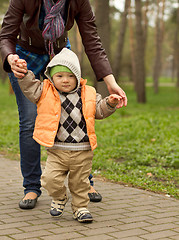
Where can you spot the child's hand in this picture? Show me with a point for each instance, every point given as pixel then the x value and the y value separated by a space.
pixel 114 99
pixel 22 65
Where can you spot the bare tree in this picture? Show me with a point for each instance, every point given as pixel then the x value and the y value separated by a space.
pixel 159 41
pixel 132 46
pixel 177 46
pixel 145 17
pixel 140 55
pixel 78 46
pixel 102 10
pixel 120 45
pixel 174 58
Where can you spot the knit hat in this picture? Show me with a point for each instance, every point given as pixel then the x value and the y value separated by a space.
pixel 66 58
pixel 59 68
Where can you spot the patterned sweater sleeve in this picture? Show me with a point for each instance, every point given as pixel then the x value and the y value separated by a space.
pixel 103 109
pixel 31 87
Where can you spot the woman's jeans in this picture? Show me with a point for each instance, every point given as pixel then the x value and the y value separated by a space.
pixel 29 148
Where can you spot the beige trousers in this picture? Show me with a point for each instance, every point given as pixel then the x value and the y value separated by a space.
pixel 78 165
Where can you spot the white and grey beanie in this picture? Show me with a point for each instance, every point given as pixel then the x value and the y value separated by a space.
pixel 66 58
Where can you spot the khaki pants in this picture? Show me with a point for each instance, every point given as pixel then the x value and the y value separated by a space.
pixel 78 164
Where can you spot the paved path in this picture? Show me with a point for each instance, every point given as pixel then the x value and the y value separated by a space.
pixel 125 213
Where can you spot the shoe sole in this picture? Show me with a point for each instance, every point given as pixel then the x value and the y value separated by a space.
pixel 89 220
pixel 28 205
pixel 57 216
pixel 93 199
pixel 85 221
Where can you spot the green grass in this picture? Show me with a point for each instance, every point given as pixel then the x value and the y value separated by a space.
pixel 138 145
pixel 149 80
pixel 8 123
pixel 162 80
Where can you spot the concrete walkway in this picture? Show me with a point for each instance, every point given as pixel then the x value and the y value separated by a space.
pixel 125 213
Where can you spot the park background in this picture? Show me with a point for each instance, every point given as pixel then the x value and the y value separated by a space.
pixel 139 144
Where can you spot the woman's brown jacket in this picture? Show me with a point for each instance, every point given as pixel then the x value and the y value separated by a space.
pixel 21 25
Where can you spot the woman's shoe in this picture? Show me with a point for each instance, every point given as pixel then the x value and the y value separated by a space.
pixel 95 197
pixel 28 203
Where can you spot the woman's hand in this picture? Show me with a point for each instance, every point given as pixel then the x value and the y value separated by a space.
pixel 113 87
pixel 18 66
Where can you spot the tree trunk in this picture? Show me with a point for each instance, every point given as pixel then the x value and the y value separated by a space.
pixel 103 25
pixel 159 41
pixel 78 46
pixel 132 47
pixel 175 57
pixel 123 25
pixel 140 59
pixel 177 49
pixel 80 50
pixel 177 83
pixel 146 23
pixel 102 10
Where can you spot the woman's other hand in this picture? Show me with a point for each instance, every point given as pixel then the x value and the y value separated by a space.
pixel 113 87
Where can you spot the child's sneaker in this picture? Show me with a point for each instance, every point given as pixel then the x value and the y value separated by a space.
pixel 83 215
pixel 57 207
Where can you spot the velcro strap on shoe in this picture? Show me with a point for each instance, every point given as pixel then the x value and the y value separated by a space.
pixel 81 211
pixel 59 204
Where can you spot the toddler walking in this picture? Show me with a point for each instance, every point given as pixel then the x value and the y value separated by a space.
pixel 65 124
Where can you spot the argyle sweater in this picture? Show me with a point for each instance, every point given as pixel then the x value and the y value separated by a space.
pixel 72 132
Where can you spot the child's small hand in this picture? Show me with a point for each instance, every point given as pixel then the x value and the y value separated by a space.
pixel 22 66
pixel 114 99
pixel 21 63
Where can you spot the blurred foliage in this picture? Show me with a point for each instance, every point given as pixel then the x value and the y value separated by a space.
pixel 115 18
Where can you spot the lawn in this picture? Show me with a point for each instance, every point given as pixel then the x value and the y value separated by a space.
pixel 137 146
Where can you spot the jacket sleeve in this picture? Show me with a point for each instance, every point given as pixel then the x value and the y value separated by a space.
pixel 10 30
pixel 31 87
pixel 103 110
pixel 91 41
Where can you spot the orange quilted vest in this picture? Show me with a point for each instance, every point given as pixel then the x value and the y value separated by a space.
pixel 49 111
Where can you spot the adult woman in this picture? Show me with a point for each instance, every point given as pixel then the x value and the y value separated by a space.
pixel 34 30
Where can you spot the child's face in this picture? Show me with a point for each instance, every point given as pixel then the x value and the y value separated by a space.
pixel 64 81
